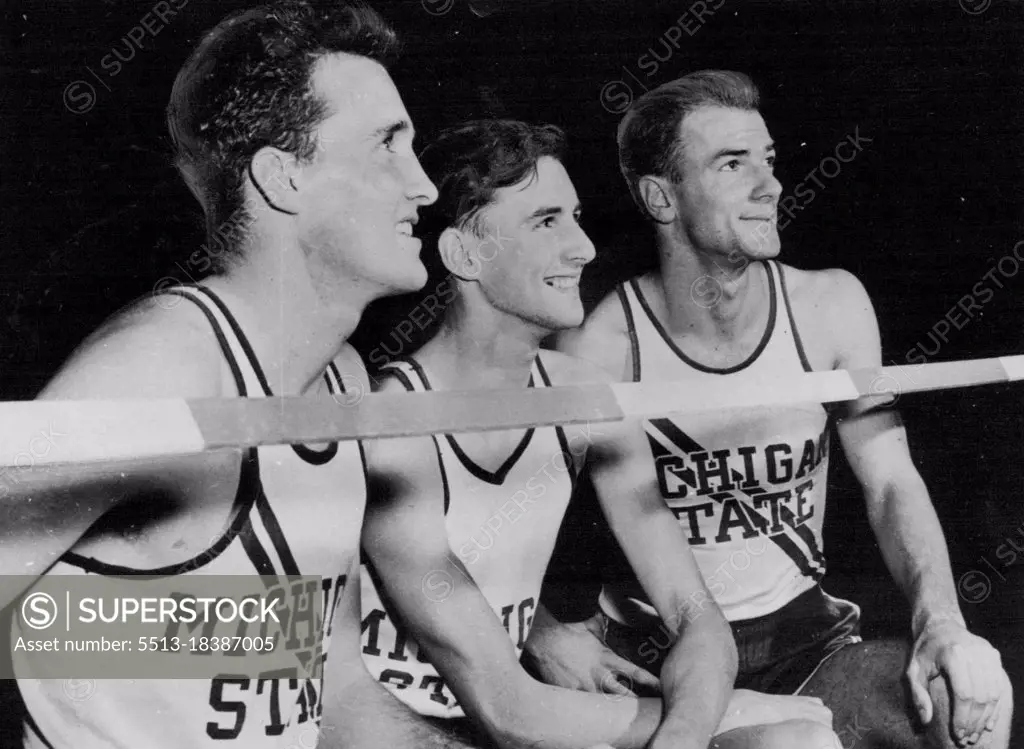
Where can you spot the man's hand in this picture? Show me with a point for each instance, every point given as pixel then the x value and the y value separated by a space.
pixel 573 656
pixel 748 708
pixel 973 670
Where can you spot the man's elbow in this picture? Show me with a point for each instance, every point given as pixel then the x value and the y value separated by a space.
pixel 712 634
pixel 726 646
pixel 731 658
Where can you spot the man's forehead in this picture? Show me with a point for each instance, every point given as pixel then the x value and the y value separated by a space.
pixel 358 91
pixel 714 127
pixel 550 185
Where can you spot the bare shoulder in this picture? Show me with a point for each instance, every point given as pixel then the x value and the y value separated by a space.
pixel 566 369
pixel 602 339
pixel 400 466
pixel 821 291
pixel 151 349
pixel 835 317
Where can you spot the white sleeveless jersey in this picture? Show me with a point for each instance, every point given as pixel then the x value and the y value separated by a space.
pixel 748 487
pixel 299 511
pixel 502 527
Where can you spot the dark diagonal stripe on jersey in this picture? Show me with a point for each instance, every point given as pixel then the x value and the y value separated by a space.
pixel 689 445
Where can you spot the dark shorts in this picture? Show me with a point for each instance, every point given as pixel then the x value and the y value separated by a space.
pixel 778 652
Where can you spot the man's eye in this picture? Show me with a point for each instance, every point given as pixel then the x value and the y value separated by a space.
pixel 389 142
pixel 731 165
pixel 548 222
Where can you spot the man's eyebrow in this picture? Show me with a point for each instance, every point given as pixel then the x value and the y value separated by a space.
pixel 734 152
pixel 544 212
pixel 730 152
pixel 399 126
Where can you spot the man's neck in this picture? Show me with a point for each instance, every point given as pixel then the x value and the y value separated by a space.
pixel 482 349
pixel 293 330
pixel 709 297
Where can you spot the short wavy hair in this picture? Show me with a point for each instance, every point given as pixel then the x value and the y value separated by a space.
pixel 248 85
pixel 470 162
pixel 649 137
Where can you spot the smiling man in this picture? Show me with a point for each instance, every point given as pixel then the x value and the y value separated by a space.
pixel 459 528
pixel 288 128
pixel 750 485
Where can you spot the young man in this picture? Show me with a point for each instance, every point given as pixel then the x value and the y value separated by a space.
pixel 290 133
pixel 750 485
pixel 459 528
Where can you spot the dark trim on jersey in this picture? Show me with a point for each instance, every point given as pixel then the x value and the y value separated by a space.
pixel 765 337
pixel 416 368
pixel 314 457
pixel 254 549
pixel 497 477
pixel 225 347
pixel 570 463
pixel 249 467
pixel 399 375
pixel 31 723
pixel 273 528
pixel 689 445
pixel 392 370
pixel 320 457
pixel 243 341
pixel 366 484
pixel 444 474
pixel 792 321
pixel 634 344
pixel 249 487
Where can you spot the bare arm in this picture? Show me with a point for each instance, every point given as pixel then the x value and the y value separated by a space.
pixel 875 442
pixel 406 539
pixel 44 511
pixel 573 655
pixel 908 531
pixel 698 674
pixel 358 712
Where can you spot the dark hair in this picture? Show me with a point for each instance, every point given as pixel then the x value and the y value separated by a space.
pixel 470 162
pixel 649 135
pixel 248 85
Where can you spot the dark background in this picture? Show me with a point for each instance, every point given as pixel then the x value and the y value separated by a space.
pixel 93 213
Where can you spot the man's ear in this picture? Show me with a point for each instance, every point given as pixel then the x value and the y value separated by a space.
pixel 457 249
pixel 658 198
pixel 274 174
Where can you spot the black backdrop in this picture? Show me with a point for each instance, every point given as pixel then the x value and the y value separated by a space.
pixel 94 214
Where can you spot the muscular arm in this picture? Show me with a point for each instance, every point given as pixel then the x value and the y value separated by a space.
pixel 44 511
pixel 405 536
pixel 573 655
pixel 698 674
pixel 358 712
pixel 910 536
pixel 875 442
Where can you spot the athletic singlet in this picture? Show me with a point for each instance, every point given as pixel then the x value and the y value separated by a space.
pixel 284 492
pixel 502 527
pixel 748 487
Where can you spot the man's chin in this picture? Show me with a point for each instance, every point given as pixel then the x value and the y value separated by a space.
pixel 765 248
pixel 567 322
pixel 414 279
